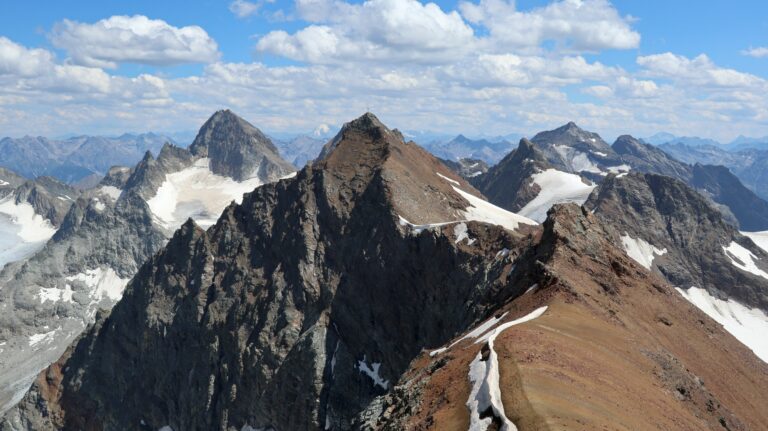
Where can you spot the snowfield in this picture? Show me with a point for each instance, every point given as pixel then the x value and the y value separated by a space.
pixel 745 260
pixel 102 284
pixel 639 250
pixel 556 187
pixel 22 231
pixel 577 160
pixel 748 325
pixel 198 193
pixel 483 211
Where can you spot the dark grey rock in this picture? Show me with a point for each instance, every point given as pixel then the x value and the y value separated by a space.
pixel 238 150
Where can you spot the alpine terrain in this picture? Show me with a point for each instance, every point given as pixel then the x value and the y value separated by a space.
pixel 377 289
pixel 69 255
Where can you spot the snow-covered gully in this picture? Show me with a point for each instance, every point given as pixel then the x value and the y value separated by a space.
pixel 485 396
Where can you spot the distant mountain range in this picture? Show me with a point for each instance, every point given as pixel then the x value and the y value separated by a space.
pixel 74 159
pixel 462 147
pixel 738 144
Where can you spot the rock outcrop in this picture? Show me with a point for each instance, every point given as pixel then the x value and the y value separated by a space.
pixel 687 240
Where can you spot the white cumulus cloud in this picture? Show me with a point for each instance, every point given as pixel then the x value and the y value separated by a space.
pixel 133 39
pixel 396 30
pixel 244 9
pixel 581 25
pixel 759 52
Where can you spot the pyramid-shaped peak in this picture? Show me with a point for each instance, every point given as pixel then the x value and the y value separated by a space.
pixel 570 127
pixel 368 126
pixel 238 149
pixel 570 134
pixel 366 122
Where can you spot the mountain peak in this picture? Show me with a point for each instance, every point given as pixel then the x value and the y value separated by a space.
pixel 570 135
pixel 238 149
pixel 368 125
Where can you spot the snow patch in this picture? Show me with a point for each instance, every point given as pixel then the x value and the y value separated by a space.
pixel 447 179
pixel 434 353
pixel 748 325
pixel 746 260
pixel 46 337
pixel 55 294
pixel 166 428
pixel 759 238
pixel 22 231
pixel 418 228
pixel 619 169
pixel 480 330
pixel 460 230
pixel 373 373
pixel 484 376
pixel 111 191
pixel 102 284
pixel 198 193
pixel 556 187
pixel 579 161
pixel 482 211
pixel 98 205
pixel 639 250
pixel 598 152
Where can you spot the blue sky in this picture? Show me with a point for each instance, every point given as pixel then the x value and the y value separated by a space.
pixel 483 67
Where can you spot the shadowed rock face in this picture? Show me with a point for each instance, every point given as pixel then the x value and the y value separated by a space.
pixel 466 167
pixel 238 150
pixel 49 197
pixel 723 187
pixel 667 214
pixel 290 297
pixel 649 159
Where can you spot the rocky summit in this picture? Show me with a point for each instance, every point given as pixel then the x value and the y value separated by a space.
pixel 237 149
pixel 376 289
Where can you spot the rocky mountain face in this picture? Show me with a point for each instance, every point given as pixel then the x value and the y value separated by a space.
pixel 649 159
pixel 238 150
pixel 377 290
pixel 572 150
pixel 74 159
pixel 467 168
pixel 314 305
pixel 30 213
pixel 102 239
pixel 718 183
pixel 671 228
pixel 286 301
pixel 509 184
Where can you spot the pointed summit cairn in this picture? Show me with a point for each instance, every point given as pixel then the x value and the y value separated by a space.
pixel 238 150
